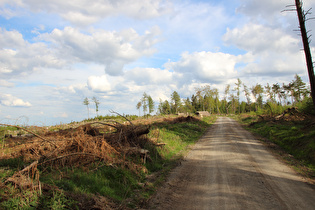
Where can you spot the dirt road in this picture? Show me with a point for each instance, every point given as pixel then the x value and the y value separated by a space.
pixel 229 169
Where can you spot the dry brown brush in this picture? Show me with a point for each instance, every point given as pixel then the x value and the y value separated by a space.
pixel 79 147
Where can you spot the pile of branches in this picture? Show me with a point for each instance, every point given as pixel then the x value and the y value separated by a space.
pixel 107 142
pixel 82 146
pixel 289 114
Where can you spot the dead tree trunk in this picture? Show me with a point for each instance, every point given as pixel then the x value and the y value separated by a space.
pixel 308 55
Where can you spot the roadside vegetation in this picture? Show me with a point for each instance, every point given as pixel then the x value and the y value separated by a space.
pixel 109 163
pixel 291 134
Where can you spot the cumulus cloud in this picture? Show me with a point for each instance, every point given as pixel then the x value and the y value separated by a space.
pixel 205 66
pixel 9 100
pixel 259 38
pixel 62 48
pixel 149 76
pixel 272 50
pixel 269 7
pixel 18 56
pixel 110 48
pixel 5 83
pixel 99 83
pixel 84 12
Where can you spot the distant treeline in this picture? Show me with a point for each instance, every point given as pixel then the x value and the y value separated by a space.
pixel 272 98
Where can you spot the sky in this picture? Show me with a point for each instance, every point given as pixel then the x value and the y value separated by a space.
pixel 54 53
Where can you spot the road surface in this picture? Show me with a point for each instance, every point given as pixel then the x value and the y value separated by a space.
pixel 229 169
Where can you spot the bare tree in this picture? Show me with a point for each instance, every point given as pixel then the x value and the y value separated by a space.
pixel 96 101
pixel 247 95
pixel 305 39
pixel 226 93
pixel 238 89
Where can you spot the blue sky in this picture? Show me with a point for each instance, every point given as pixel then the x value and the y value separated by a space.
pixel 55 53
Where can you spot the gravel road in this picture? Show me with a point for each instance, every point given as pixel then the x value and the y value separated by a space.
pixel 229 169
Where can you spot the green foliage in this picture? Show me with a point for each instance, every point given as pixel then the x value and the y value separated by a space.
pixel 13 163
pixel 175 103
pixel 116 183
pixel 164 107
pixel 269 99
pixel 25 200
pixel 29 199
pixel 306 106
pixel 86 103
pixel 58 200
pixel 111 117
pixel 177 138
pixel 150 104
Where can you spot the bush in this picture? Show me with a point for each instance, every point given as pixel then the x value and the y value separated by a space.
pixel 307 106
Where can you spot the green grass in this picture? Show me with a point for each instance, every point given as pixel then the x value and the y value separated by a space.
pixel 295 137
pixel 118 183
pixel 30 199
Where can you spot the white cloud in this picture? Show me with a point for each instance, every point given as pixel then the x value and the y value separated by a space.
pixel 84 12
pixel 267 10
pixel 5 83
pixel 259 38
pixel 18 56
pixel 99 84
pixel 9 100
pixel 271 50
pixel 11 39
pixel 205 66
pixel 112 49
pixel 149 76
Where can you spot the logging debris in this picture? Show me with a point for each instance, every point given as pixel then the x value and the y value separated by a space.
pixel 107 142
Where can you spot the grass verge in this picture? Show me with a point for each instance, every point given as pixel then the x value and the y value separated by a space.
pixel 297 138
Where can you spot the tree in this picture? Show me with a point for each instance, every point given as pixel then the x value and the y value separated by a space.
pixel 86 103
pixel 164 107
pixel 269 92
pixel 209 102
pixel 216 100
pixel 290 90
pixel 277 91
pixel 238 89
pixel 144 103
pixel 188 105
pixel 226 93
pixel 233 102
pixel 257 91
pixel 199 100
pixel 247 95
pixel 301 15
pixel 176 102
pixel 150 104
pixel 139 104
pixel 95 100
pixel 194 103
pixel 299 88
